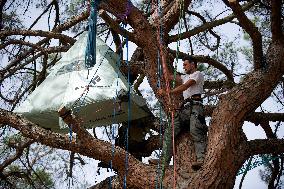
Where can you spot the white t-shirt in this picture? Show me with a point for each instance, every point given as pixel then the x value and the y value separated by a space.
pixel 197 88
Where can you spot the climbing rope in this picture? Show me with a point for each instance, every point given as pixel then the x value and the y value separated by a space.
pixel 123 18
pixel 245 171
pixel 181 7
pixel 181 14
pixel 165 73
pixel 148 7
pixel 166 76
pixel 264 160
pixel 158 177
pixel 159 68
pixel 90 56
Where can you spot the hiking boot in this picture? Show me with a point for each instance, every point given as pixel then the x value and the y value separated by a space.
pixel 154 161
pixel 196 165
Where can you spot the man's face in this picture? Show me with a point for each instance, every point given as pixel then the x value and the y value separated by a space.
pixel 187 66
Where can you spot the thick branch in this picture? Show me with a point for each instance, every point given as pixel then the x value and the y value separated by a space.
pixel 264 146
pixel 39 33
pixel 19 152
pixel 255 117
pixel 207 26
pixel 210 61
pixel 21 42
pixel 276 23
pixel 92 148
pixel 219 84
pixel 21 66
pixel 218 38
pixel 258 117
pixel 253 32
pixel 73 21
pixel 128 13
pixel 114 25
pixel 254 89
pixel 2 3
pixel 171 17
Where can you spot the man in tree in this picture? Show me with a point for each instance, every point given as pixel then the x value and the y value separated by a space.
pixel 190 115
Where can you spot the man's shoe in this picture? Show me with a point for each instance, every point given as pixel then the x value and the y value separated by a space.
pixel 197 165
pixel 154 161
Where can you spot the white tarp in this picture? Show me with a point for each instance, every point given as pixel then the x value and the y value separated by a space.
pixel 91 94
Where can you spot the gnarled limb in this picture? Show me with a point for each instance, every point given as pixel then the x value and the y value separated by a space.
pixel 40 33
pixel 253 32
pixel 19 153
pixel 263 146
pixel 255 117
pixel 207 26
pixel 171 17
pixel 68 24
pixel 5 73
pixel 219 84
pixel 87 146
pixel 218 38
pixel 276 22
pixel 114 25
pixel 210 61
pixel 2 4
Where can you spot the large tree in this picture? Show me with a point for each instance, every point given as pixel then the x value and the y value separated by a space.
pixel 152 27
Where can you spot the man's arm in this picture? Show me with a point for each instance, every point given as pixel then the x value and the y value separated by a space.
pixel 183 87
pixel 178 89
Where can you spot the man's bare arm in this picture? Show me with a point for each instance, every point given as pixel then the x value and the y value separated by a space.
pixel 178 89
pixel 183 87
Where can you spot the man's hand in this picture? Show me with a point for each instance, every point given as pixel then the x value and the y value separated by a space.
pixel 171 107
pixel 161 92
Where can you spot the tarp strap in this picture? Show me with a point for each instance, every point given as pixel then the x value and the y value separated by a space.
pixel 90 59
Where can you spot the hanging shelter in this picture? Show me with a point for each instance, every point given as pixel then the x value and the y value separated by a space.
pixel 98 95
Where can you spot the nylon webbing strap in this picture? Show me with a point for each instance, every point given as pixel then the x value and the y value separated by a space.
pixel 90 59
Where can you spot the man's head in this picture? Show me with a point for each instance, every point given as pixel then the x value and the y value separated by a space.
pixel 189 65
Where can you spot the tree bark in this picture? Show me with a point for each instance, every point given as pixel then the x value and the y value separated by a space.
pixel 227 148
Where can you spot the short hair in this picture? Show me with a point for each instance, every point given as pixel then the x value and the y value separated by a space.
pixel 190 59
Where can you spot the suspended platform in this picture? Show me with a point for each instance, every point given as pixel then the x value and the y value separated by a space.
pixel 98 95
